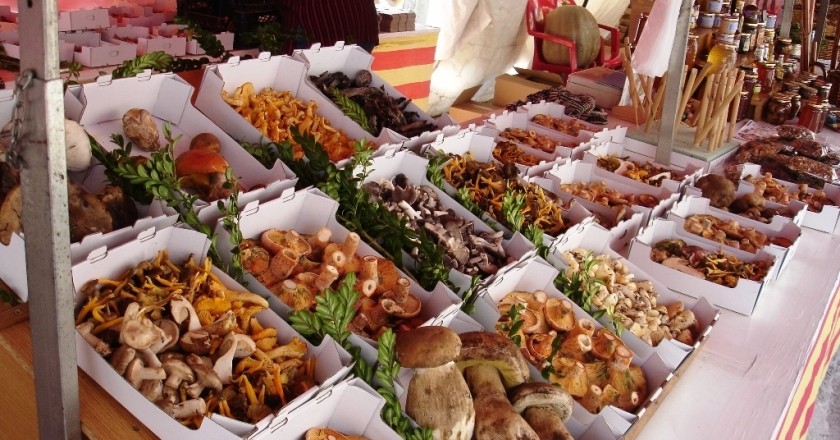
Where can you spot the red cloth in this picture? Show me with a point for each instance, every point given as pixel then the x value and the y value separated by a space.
pixel 328 21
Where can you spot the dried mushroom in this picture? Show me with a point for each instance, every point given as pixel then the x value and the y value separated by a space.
pixel 646 172
pixel 571 128
pixel 730 233
pixel 531 139
pixel 774 191
pixel 600 193
pixel 189 344
pixel 510 153
pixel 632 302
pixel 575 358
pixel 466 250
pixel 716 266
pixel 298 267
pixel 487 184
pixel 382 110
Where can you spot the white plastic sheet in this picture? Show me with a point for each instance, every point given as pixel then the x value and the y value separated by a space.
pixel 657 40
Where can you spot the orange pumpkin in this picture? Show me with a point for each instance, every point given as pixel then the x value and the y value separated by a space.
pixel 575 23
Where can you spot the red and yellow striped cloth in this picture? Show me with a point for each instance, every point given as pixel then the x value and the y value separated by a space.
pixel 405 60
pixel 795 421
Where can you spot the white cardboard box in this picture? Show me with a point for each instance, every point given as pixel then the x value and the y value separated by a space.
pixel 536 274
pixel 181 244
pixel 350 59
pixel 691 168
pixel 589 173
pixel 171 30
pixel 99 108
pixel 414 168
pixel 558 111
pixel 92 51
pixel 784 227
pixel 351 407
pixel 594 238
pixel 15 274
pixel 567 146
pixel 824 221
pixel 306 211
pixel 11 44
pixel 279 73
pixel 740 299
pixel 146 42
pixel 83 19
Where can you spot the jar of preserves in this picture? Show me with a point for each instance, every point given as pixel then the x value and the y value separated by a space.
pixel 824 92
pixel 706 20
pixel 795 50
pixel 744 106
pixel 766 75
pixel 778 109
pixel 769 37
pixel 729 24
pixel 771 22
pixel 744 42
pixel 750 81
pixel 691 51
pixel 723 55
pixel 789 70
pixel 813 116
pixel 760 54
pixel 759 35
pixel 782 47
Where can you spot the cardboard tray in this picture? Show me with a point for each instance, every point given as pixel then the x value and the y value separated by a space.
pixel 823 221
pixel 536 274
pixel 594 238
pixel 181 244
pixel 740 299
pixel 99 107
pixel 481 148
pixel 306 211
pixel 691 168
pixel 83 19
pixel 11 44
pixel 691 205
pixel 279 73
pixel 351 407
pixel 589 172
pixel 567 146
pixel 350 59
pixel 391 163
pixel 92 51
pixel 193 48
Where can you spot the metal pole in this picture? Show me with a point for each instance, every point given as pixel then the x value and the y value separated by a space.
pixel 673 89
pixel 44 183
pixel 787 19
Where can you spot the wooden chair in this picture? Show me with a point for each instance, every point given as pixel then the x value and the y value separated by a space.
pixel 535 20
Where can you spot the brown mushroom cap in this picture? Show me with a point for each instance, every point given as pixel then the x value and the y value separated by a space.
pixel 206 141
pixel 479 348
pixel 199 162
pixel 427 347
pixel 542 394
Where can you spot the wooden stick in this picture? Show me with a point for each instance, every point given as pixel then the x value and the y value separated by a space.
pixel 703 74
pixel 631 77
pixel 727 78
pixel 733 117
pixel 660 92
pixel 647 84
pixel 726 100
pixel 689 85
pixel 701 117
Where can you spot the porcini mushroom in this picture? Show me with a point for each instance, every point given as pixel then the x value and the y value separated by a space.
pixel 450 414
pixel 77 143
pixel 140 128
pixel 545 407
pixel 491 363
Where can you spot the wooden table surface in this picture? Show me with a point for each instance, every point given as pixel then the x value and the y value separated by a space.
pixel 102 416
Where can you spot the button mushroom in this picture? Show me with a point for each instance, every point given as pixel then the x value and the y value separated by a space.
pixel 491 363
pixel 234 345
pixel 438 397
pixel 205 376
pixel 99 345
pixel 545 407
pixel 136 373
pixel 138 331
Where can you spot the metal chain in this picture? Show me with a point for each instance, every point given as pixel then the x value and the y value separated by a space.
pixel 11 134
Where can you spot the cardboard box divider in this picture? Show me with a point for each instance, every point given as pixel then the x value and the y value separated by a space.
pixel 306 211
pixel 351 407
pixel 594 238
pixel 350 59
pixel 146 41
pixel 11 45
pixel 783 227
pixel 181 244
pixel 558 111
pixel 536 274
pixel 82 19
pixel 740 299
pixel 823 221
pixel 590 173
pixel 99 107
pixel 193 48
pixel 414 167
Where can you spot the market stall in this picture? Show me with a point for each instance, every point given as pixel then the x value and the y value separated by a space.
pixel 265 250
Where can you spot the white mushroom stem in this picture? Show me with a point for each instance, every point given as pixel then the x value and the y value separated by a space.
pixel 122 357
pixel 177 371
pixel 185 409
pixel 181 309
pixel 234 345
pixel 450 414
pixel 206 377
pixel 136 373
pixel 77 142
pixel 495 417
pixel 149 358
pixel 99 345
pixel 409 211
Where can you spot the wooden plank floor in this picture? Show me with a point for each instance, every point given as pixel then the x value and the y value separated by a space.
pixel 102 417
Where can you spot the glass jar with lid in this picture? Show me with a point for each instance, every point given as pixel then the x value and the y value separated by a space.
pixel 766 75
pixel 723 55
pixel 782 47
pixel 813 116
pixel 777 110
pixel 795 105
pixel 743 106
pixel 691 49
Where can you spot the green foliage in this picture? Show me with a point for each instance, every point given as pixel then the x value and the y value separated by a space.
pixel 271 37
pixel 434 171
pixel 266 153
pixel 230 221
pixel 514 323
pixel 206 40
pixel 535 234
pixel 73 70
pixel 470 295
pixel 351 108
pixel 158 61
pixel 465 197
pixel 512 204
pixel 154 178
pixel 387 369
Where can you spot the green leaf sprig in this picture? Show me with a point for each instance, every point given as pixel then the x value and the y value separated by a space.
pixel 466 198
pixel 434 172
pixel 6 296
pixel 514 323
pixel 470 295
pixel 535 234
pixel 351 108
pixel 512 204
pixel 581 287
pixel 387 369
pixel 158 61
pixel 205 39
pixel 231 215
